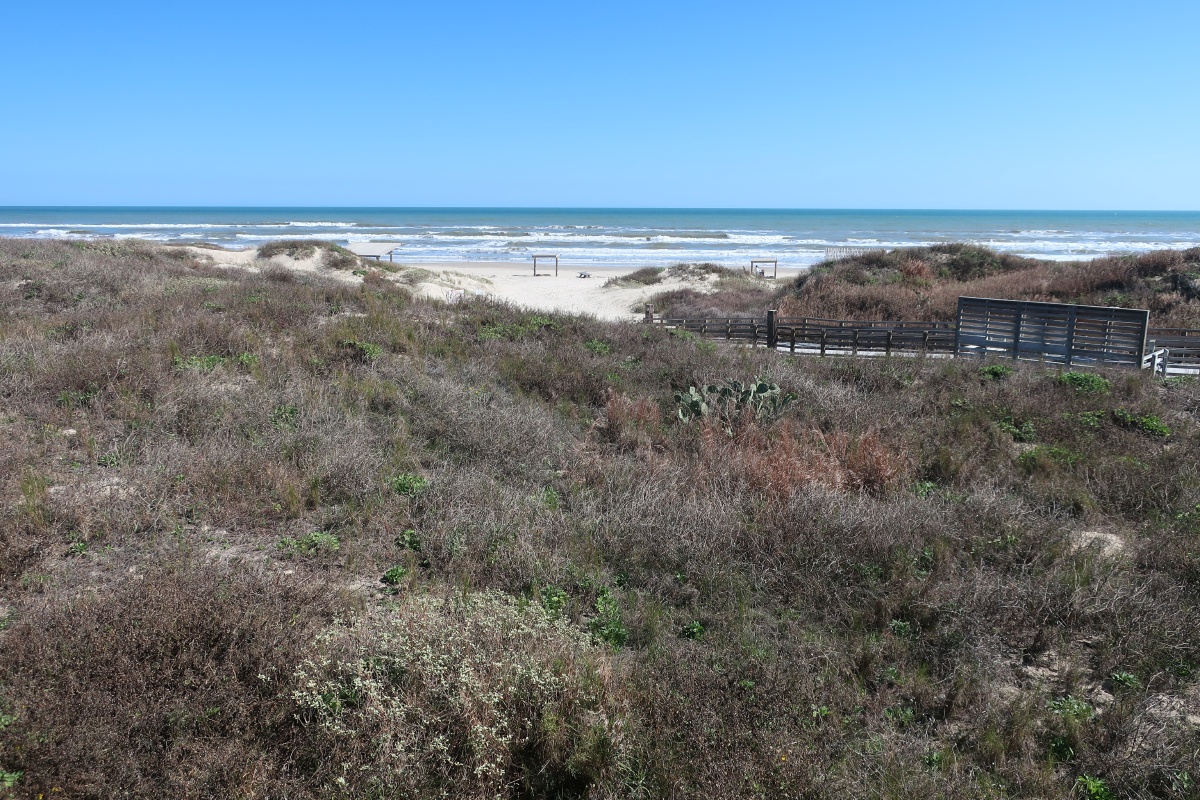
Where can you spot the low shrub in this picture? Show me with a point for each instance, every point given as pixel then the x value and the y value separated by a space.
pixel 472 696
pixel 312 542
pixel 1086 382
pixel 607 624
pixel 408 484
pixel 1144 423
pixel 996 372
pixel 394 576
pixel 363 352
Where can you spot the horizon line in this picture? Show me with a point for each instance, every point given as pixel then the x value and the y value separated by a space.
pixel 606 208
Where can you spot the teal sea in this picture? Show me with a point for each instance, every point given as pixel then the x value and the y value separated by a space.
pixel 623 237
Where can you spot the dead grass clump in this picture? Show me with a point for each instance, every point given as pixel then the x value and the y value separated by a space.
pixel 631 423
pixel 779 461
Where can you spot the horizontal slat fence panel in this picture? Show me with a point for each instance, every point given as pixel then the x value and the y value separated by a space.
pixel 1053 332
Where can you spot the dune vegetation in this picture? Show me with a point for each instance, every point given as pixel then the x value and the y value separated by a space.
pixel 267 535
pixel 924 283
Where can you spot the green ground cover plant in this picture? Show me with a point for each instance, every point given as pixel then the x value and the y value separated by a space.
pixel 490 559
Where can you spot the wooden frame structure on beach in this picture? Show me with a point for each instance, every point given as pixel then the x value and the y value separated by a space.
pixel 754 262
pixel 545 255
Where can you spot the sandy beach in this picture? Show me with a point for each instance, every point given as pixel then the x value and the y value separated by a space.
pixel 510 281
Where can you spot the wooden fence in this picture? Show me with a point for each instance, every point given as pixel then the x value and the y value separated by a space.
pixel 1053 332
pixel 1182 346
pixel 1178 348
pixel 823 336
pixel 835 253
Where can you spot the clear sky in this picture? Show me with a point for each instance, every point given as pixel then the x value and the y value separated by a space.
pixel 850 104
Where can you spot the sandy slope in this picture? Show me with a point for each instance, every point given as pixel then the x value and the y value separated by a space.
pixel 513 282
pixel 248 259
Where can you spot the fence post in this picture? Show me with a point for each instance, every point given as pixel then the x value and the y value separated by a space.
pixel 824 334
pixel 888 349
pixel 772 333
pixel 649 313
pixel 854 345
pixel 1070 335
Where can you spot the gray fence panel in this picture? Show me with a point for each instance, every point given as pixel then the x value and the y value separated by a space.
pixel 1054 332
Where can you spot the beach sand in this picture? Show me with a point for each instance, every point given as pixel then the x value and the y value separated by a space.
pixel 512 282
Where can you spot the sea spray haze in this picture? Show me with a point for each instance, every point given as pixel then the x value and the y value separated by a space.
pixel 268 535
pixel 625 237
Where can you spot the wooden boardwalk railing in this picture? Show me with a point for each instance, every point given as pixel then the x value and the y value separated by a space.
pixel 1182 346
pixel 821 336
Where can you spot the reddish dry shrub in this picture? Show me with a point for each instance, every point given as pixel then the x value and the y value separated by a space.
pixel 632 423
pixel 916 270
pixel 777 462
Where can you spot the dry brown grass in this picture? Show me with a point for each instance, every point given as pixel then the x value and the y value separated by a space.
pixel 925 283
pixel 879 592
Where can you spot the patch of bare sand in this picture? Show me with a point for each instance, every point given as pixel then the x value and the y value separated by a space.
pixel 507 281
pixel 566 292
pixel 1107 544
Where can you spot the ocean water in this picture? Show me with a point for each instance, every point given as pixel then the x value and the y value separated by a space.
pixel 623 237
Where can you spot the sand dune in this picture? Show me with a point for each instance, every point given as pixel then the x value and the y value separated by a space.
pixel 513 282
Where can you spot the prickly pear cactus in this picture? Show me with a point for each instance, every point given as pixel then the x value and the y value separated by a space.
pixel 691 404
pixel 731 400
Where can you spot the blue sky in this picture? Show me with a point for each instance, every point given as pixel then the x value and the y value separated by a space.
pixel 1049 105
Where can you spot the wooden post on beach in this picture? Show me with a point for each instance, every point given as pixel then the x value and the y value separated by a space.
pixel 649 313
pixel 548 255
pixel 772 333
